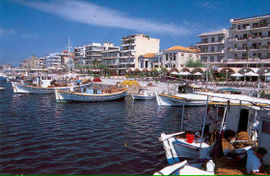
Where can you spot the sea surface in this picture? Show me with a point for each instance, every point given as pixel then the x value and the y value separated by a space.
pixel 40 136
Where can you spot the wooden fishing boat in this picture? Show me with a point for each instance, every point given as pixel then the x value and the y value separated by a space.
pixel 27 88
pixel 239 115
pixel 90 95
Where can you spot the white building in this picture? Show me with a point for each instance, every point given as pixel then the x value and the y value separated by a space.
pixel 53 60
pixel 177 56
pixel 150 60
pixel 213 46
pixel 110 56
pixel 91 54
pixel 249 42
pixel 134 46
pixel 79 55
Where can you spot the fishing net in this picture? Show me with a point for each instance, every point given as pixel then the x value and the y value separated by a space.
pixel 243 135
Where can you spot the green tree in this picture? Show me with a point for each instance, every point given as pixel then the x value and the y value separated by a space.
pixel 191 62
pixel 103 67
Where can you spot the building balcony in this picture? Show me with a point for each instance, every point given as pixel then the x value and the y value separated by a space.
pixel 126 57
pixel 237 40
pixel 237 49
pixel 93 55
pixel 212 52
pixel 210 43
pixel 267 26
pixel 127 50
pixel 266 37
pixel 254 60
pixel 106 58
pixel 127 44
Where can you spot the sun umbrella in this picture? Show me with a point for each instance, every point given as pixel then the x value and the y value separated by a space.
pixel 251 74
pixel 198 74
pixel 174 73
pixel 236 75
pixel 185 73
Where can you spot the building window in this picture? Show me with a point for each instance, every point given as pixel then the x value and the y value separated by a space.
pixel 167 57
pixel 174 56
pixel 212 59
pixel 213 39
pixel 212 49
pixel 220 38
pixel 204 59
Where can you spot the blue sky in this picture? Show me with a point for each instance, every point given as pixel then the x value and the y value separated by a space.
pixel 29 27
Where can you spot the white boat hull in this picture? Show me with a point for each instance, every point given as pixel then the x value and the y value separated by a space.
pixel 64 96
pixel 21 88
pixel 167 100
pixel 182 168
pixel 179 149
pixel 142 97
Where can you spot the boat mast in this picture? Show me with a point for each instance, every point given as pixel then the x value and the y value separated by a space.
pixel 69 59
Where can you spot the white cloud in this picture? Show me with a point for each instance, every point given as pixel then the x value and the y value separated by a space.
pixel 89 13
pixel 206 4
pixel 6 31
pixel 30 36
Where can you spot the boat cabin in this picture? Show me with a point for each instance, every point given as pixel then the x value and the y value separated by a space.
pixel 264 134
pixel 185 88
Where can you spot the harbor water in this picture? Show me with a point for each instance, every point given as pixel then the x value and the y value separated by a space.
pixel 40 136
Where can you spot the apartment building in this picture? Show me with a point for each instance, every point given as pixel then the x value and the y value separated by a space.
pixel 249 42
pixel 150 60
pixel 110 56
pixel 177 56
pixel 79 55
pixel 133 47
pixel 53 60
pixel 213 46
pixel 93 52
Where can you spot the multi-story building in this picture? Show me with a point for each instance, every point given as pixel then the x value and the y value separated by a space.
pixel 110 56
pixel 32 62
pixel 93 52
pixel 53 60
pixel 150 60
pixel 134 46
pixel 79 55
pixel 213 46
pixel 249 42
pixel 177 56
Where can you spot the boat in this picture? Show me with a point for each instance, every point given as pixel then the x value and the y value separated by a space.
pixel 264 133
pixel 43 86
pixel 143 95
pixel 185 96
pixel 183 168
pixel 2 88
pixel 89 95
pixel 239 115
pixel 212 167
